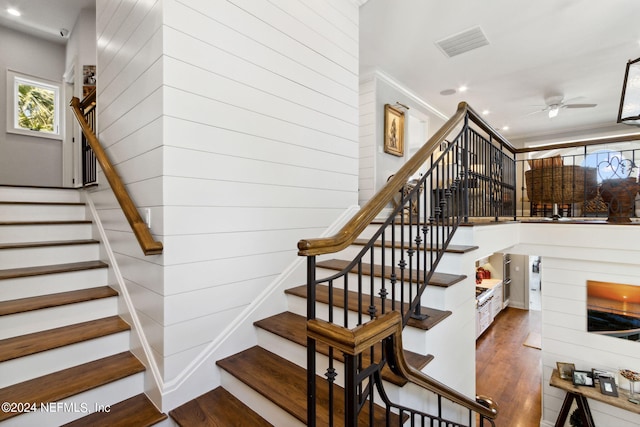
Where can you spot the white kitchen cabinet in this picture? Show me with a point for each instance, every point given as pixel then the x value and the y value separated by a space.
pixel 497 302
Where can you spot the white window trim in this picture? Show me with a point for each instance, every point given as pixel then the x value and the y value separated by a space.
pixel 13 79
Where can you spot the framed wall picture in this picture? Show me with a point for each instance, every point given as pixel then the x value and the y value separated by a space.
pixel 393 131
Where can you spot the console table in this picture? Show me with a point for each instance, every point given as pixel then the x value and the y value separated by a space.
pixel 580 395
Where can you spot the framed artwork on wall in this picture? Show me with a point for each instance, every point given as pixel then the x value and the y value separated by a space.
pixel 393 131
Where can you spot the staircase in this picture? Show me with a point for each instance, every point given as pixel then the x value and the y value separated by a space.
pixel 266 384
pixel 64 351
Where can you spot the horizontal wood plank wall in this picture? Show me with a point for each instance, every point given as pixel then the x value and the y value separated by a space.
pixel 367 166
pixel 236 124
pixel 260 104
pixel 571 255
pixel 130 127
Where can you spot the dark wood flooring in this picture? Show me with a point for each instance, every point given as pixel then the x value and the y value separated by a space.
pixel 510 372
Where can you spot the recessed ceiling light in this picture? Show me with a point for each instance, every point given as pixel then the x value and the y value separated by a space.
pixel 485 112
pixel 463 88
pixel 505 128
pixel 14 12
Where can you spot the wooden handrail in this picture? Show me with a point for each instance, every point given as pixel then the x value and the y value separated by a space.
pixel 88 103
pixel 355 341
pixel 350 231
pixel 583 143
pixel 140 230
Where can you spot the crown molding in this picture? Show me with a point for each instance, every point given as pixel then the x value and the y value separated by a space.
pixel 378 74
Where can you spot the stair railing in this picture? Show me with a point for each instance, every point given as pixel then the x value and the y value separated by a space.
pixel 146 241
pixel 465 170
pixel 89 166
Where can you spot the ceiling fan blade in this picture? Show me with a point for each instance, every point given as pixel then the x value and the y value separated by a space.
pixel 579 105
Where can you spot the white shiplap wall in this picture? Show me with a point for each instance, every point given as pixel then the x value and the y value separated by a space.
pixel 129 89
pixel 236 123
pixel 571 255
pixel 261 115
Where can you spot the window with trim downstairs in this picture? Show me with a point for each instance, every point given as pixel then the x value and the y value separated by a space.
pixel 34 106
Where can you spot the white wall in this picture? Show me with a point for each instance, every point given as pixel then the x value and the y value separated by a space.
pixel 376 90
pixel 130 127
pixel 571 255
pixel 27 160
pixel 236 124
pixel 260 150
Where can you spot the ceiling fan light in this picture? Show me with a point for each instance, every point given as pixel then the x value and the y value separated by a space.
pixel 553 111
pixel 629 112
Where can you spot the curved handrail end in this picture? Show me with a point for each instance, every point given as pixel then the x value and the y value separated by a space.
pixel 489 403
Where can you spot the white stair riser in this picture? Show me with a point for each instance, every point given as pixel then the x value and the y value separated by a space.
pixel 450 263
pixel 298 354
pixel 49 318
pixel 19 212
pixel 26 194
pixel 48 255
pixel 434 296
pixel 25 287
pixel 298 306
pixel 73 407
pixel 462 236
pixel 263 406
pixel 36 365
pixel 39 233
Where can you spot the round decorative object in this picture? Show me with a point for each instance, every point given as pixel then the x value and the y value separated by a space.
pixel 619 194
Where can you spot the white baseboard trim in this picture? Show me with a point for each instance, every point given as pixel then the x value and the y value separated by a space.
pixel 136 327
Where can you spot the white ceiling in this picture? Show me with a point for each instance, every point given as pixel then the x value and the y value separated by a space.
pixel 576 48
pixel 43 18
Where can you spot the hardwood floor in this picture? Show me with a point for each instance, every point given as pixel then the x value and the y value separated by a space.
pixel 510 372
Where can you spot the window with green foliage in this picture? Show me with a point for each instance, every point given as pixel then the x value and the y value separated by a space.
pixel 34 106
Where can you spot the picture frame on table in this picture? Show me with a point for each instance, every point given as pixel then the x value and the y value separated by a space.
pixel 565 370
pixel 583 378
pixel 597 373
pixel 608 386
pixel 393 131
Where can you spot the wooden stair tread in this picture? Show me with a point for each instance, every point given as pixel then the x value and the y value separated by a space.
pixel 21 202
pixel 217 408
pixel 61 222
pixel 26 245
pixel 54 300
pixel 456 249
pixel 13 273
pixel 443 280
pixel 294 328
pixel 434 316
pixel 285 384
pixel 136 411
pixel 68 382
pixel 24 345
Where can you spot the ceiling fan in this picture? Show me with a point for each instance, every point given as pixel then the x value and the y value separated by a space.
pixel 555 103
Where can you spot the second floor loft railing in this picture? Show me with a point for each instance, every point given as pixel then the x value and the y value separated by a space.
pixel 146 241
pixel 89 167
pixel 595 180
pixel 465 170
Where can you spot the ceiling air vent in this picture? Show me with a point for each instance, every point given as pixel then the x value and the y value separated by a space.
pixel 465 41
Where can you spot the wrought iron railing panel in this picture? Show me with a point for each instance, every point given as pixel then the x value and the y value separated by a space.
pixel 471 175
